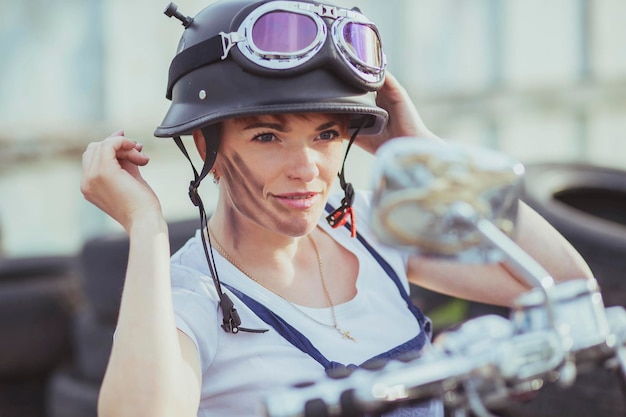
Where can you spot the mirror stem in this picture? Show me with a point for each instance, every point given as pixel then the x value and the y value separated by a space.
pixel 522 263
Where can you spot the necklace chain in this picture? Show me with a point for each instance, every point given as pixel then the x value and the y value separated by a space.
pixel 344 333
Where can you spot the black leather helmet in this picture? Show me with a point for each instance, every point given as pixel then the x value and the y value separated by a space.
pixel 219 72
pixel 206 89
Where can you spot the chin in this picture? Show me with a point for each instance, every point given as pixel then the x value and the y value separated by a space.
pixel 300 227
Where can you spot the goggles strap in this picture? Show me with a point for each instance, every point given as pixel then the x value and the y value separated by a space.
pixel 217 48
pixel 345 212
pixel 196 56
pixel 231 322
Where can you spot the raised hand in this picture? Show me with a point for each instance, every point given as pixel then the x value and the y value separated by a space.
pixel 404 119
pixel 111 180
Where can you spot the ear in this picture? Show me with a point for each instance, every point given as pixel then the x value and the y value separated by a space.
pixel 198 138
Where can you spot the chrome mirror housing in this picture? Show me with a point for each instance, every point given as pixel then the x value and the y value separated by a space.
pixel 428 194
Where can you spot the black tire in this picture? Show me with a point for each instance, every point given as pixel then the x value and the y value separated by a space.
pixel 20 268
pixel 103 266
pixel 587 204
pixel 181 231
pixel 36 311
pixel 69 396
pixel 103 263
pixel 23 397
pixel 92 341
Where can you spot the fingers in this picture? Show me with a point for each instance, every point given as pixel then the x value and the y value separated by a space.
pixel 109 158
pixel 404 118
pixel 111 179
pixel 127 149
pixel 118 147
pixel 392 92
pixel 391 81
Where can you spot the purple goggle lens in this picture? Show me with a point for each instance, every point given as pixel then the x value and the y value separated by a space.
pixel 363 43
pixel 284 32
pixel 282 35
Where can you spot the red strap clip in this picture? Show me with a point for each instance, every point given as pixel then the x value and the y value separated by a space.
pixel 341 216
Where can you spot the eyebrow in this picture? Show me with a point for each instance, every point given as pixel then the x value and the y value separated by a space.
pixel 281 128
pixel 275 126
pixel 327 125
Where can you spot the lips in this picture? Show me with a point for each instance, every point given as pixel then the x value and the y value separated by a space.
pixel 297 196
pixel 304 200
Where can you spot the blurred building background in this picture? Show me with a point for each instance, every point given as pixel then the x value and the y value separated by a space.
pixel 542 81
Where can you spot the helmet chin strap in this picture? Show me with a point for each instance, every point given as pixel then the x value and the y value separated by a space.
pixel 345 212
pixel 231 322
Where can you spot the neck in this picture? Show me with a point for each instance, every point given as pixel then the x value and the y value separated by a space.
pixel 253 242
pixel 283 264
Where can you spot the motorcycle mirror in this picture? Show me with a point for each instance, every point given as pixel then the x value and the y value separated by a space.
pixel 429 195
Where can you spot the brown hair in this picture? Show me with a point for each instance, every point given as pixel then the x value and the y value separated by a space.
pixel 342 118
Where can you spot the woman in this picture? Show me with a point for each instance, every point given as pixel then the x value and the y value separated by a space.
pixel 272 292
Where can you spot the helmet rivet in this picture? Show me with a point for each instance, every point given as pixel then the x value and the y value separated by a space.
pixel 202 94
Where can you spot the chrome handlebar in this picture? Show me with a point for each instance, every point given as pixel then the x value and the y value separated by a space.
pixel 480 366
pixel 460 202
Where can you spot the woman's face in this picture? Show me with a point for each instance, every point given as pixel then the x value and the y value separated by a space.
pixel 277 171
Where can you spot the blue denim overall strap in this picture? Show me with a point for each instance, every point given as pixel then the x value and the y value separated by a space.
pixel 283 328
pixel 296 338
pixel 424 322
pixel 300 341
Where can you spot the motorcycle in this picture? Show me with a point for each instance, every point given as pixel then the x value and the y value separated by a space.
pixel 460 202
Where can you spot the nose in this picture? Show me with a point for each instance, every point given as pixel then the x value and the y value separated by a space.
pixel 302 163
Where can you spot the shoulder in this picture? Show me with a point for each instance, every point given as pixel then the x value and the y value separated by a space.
pixel 195 299
pixel 189 272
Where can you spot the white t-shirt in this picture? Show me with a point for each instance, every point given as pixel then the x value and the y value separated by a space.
pixel 239 369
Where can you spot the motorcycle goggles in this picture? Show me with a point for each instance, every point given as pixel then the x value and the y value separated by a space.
pixel 289 37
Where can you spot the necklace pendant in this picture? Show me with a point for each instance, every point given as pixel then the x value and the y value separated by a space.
pixel 346 335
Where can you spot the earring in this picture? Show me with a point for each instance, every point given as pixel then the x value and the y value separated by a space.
pixel 216 178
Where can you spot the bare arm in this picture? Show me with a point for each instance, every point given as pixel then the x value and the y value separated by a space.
pixel 153 369
pixel 494 284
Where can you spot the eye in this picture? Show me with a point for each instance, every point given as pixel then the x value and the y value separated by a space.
pixel 329 135
pixel 264 137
